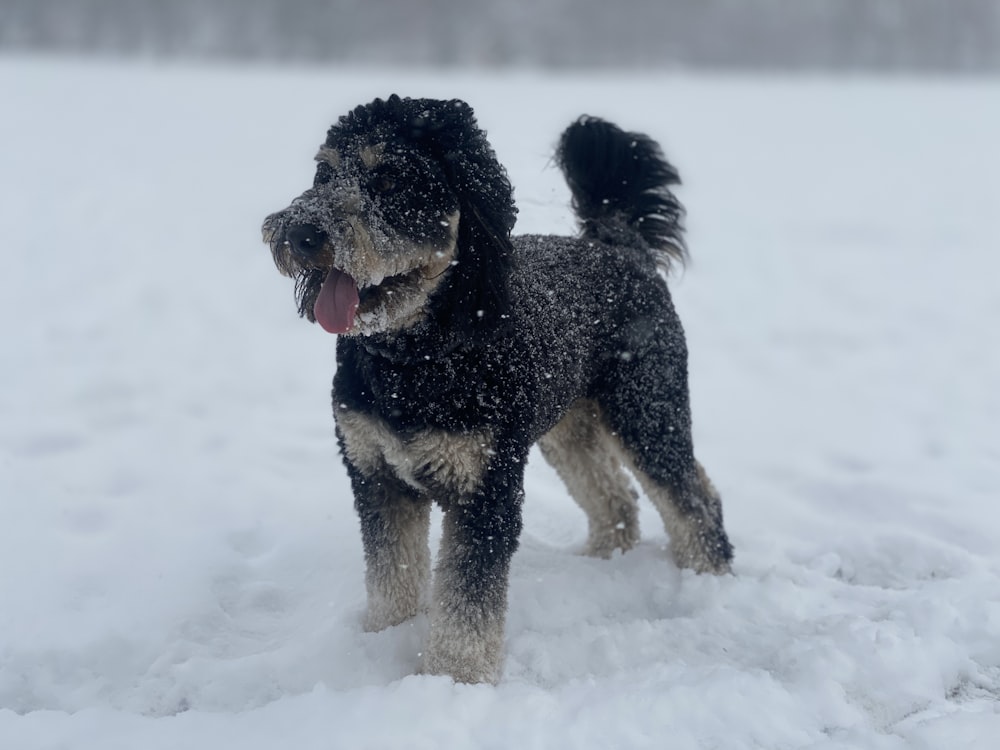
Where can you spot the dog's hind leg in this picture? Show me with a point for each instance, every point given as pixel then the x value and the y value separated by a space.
pixel 585 455
pixel 648 408
pixel 692 515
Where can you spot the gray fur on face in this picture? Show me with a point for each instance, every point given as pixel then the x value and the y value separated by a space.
pixel 395 264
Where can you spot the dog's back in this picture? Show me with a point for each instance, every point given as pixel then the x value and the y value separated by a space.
pixel 599 300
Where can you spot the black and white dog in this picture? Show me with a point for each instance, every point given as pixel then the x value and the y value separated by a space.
pixel 460 347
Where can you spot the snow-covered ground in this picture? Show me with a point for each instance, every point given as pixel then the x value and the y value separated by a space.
pixel 180 565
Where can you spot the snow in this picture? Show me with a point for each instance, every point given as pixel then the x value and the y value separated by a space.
pixel 181 563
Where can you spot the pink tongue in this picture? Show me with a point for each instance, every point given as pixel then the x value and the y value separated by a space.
pixel 337 302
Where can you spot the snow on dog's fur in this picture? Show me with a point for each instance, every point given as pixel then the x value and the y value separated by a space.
pixel 460 347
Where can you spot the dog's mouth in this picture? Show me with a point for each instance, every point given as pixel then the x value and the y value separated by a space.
pixel 342 304
pixel 337 302
pixel 349 287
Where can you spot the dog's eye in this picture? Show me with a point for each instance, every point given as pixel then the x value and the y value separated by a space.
pixel 383 183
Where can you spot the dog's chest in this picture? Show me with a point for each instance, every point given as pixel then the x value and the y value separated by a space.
pixel 463 393
pixel 427 460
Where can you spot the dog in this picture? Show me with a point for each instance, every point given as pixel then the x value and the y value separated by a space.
pixel 460 347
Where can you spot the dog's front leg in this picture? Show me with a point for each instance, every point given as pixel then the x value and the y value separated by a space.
pixel 395 520
pixel 469 604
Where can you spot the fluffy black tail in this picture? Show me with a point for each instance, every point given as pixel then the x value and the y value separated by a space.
pixel 621 187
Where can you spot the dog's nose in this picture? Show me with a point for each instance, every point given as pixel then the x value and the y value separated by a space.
pixel 305 239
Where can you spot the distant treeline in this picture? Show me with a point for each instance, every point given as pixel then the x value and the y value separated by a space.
pixel 905 35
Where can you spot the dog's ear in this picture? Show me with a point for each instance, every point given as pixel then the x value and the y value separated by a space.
pixel 477 297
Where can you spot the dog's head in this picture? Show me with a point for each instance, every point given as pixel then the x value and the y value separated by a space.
pixel 408 220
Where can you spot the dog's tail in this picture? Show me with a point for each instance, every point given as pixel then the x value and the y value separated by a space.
pixel 621 188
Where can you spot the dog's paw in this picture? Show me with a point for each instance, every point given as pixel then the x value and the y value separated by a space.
pixel 472 653
pixel 462 666
pixel 703 552
pixel 382 614
pixel 603 542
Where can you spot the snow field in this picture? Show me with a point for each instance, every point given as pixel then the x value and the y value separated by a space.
pixel 181 563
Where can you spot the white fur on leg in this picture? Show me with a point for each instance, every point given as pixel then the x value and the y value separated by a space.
pixel 585 455
pixel 398 573
pixel 399 568
pixel 464 651
pixel 688 537
pixel 465 641
pixel 467 627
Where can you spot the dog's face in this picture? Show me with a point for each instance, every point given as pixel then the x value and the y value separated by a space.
pixel 371 239
pixel 378 232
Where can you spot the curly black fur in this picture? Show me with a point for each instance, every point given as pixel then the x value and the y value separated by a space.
pixel 573 343
pixel 621 180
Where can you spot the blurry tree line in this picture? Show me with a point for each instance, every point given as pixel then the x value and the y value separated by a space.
pixel 933 35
